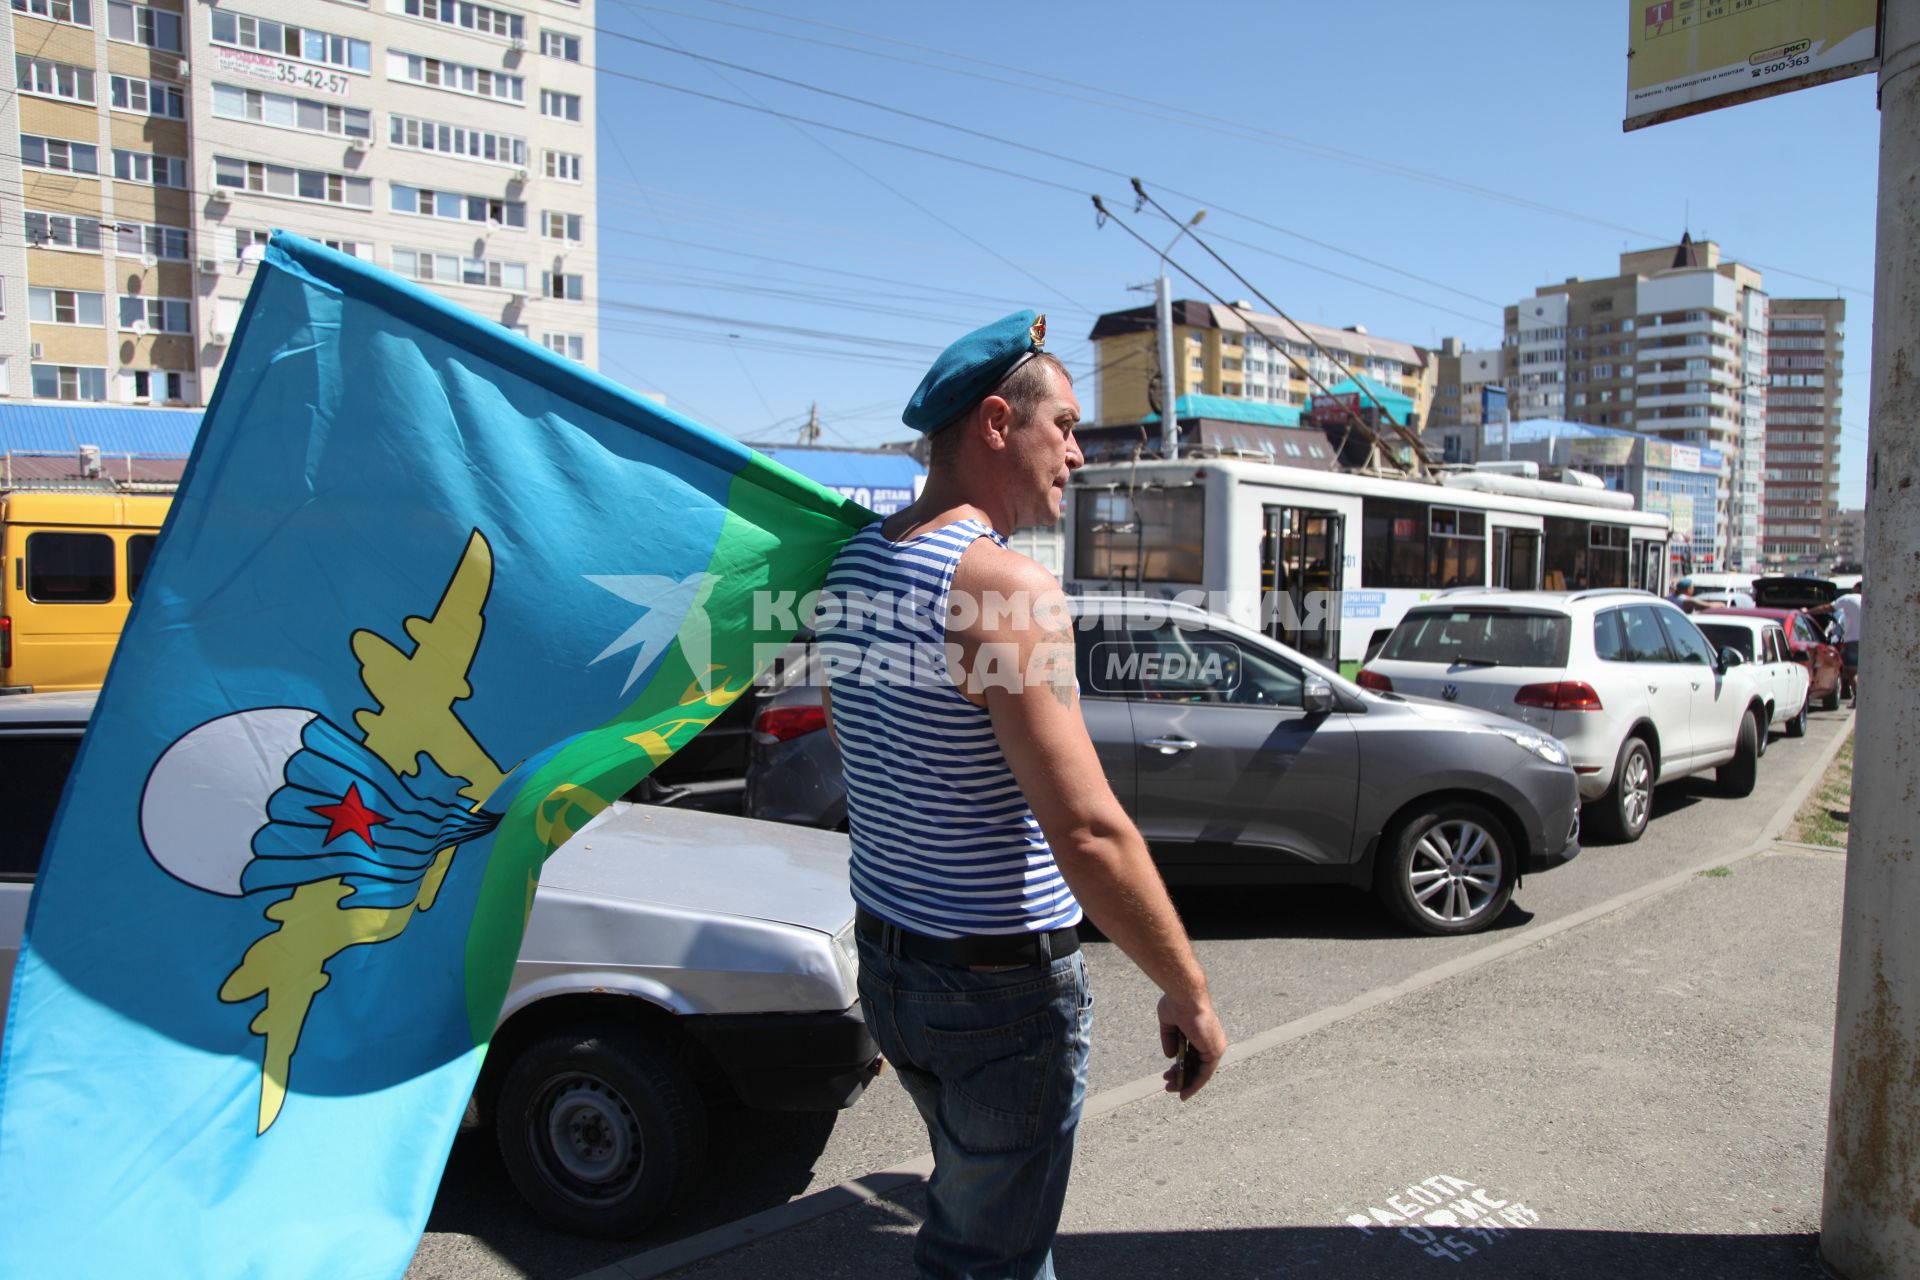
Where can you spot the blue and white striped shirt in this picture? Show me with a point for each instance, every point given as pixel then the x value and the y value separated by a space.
pixel 944 842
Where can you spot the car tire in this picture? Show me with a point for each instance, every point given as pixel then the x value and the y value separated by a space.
pixel 1738 775
pixel 1622 814
pixel 1797 727
pixel 1832 701
pixel 1447 869
pixel 600 1129
pixel 1765 739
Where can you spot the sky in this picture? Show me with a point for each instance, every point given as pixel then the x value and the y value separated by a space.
pixel 802 204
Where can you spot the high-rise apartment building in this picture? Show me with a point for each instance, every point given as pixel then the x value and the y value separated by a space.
pixel 1675 346
pixel 1801 498
pixel 159 144
pixel 1460 378
pixel 1217 353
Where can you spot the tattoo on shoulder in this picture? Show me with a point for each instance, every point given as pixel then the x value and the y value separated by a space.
pixel 1050 666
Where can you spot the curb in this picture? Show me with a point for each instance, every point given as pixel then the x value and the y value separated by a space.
pixel 685 1252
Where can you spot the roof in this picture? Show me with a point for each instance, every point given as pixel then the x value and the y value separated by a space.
pixel 46 427
pixel 1207 315
pixel 63 471
pixel 1536 430
pixel 1232 409
pixel 1400 406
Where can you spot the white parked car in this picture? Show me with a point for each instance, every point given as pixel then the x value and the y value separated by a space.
pixel 1623 678
pixel 674 959
pixel 1784 683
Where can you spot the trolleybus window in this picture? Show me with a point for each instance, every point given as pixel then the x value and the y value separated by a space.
pixel 1147 535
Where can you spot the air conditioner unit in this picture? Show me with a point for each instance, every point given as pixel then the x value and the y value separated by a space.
pixel 358 146
pixel 35 351
pixel 139 326
pixel 516 300
pixel 518 44
pixel 185 69
pixel 521 175
pixel 222 196
pixel 217 334
pixel 209 266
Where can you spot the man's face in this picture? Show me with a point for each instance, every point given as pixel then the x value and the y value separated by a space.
pixel 1043 452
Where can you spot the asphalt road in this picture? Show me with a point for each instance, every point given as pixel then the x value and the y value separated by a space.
pixel 1272 955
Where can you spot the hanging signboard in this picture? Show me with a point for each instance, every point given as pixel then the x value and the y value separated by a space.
pixel 1689 56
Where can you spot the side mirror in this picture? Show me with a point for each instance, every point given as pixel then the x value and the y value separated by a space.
pixel 1316 696
pixel 1730 658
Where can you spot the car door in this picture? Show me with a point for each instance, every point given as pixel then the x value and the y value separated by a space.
pixel 1717 703
pixel 1669 695
pixel 1106 683
pixel 1793 681
pixel 1823 660
pixel 1233 775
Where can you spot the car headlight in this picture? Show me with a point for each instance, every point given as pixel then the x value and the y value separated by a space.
pixel 1548 749
pixel 848 952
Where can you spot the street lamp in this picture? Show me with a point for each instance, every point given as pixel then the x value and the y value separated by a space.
pixel 1163 322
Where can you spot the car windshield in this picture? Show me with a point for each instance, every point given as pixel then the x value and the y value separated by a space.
pixel 1481 637
pixel 1726 636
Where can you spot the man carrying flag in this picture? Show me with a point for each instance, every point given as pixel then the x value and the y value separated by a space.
pixel 428 599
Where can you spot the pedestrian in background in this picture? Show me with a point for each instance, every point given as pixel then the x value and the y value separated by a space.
pixel 980 817
pixel 1850 608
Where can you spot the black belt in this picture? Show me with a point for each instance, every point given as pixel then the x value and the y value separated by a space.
pixel 968 952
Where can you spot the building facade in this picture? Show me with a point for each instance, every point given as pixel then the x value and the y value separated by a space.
pixel 1460 376
pixel 159 144
pixel 1674 346
pixel 1801 496
pixel 1217 353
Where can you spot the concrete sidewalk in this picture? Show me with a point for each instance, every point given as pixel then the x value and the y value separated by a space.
pixel 1641 1095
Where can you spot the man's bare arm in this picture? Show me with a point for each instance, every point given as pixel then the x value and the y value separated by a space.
pixel 1019 659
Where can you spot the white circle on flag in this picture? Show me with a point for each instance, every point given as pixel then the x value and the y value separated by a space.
pixel 207 796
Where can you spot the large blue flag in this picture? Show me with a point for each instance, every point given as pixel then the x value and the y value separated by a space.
pixel 428 599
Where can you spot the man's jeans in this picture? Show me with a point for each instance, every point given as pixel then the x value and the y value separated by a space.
pixel 997 1064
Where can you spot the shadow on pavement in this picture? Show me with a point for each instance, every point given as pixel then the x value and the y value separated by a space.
pixel 1222 913
pixel 755 1160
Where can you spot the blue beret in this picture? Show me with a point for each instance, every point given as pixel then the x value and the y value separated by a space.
pixel 969 370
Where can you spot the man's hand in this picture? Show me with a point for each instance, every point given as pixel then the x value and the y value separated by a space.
pixel 1203 1031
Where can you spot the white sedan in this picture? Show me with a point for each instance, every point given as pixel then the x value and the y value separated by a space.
pixel 1783 683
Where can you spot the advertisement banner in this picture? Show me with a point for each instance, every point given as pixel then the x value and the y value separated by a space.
pixel 1689 56
pixel 1614 451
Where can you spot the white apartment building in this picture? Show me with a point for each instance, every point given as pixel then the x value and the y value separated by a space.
pixel 161 143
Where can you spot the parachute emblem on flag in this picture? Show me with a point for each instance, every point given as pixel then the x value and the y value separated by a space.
pixel 281 798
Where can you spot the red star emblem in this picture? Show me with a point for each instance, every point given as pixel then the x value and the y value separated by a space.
pixel 351 814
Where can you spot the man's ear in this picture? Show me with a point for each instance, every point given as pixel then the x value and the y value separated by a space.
pixel 997 415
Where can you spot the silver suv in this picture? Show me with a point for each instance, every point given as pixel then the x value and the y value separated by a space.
pixel 1244 762
pixel 674 960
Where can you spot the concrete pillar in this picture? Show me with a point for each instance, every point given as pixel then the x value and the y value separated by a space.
pixel 1870 1217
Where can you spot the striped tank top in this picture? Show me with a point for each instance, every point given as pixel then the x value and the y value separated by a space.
pixel 944 842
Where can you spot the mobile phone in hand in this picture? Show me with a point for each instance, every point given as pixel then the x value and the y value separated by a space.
pixel 1186 1061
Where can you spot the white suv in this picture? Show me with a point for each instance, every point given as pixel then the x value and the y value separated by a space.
pixel 1622 677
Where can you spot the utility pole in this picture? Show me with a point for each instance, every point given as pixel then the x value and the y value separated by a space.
pixel 1169 388
pixel 1869 1228
pixel 810 433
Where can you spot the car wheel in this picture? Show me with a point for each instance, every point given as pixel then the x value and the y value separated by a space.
pixel 1832 701
pixel 1623 812
pixel 1447 870
pixel 1765 740
pixel 1737 776
pixel 1797 727
pixel 600 1129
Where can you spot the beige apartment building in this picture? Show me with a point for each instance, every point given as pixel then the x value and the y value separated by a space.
pixel 1675 345
pixel 159 144
pixel 1217 353
pixel 1801 502
pixel 1460 378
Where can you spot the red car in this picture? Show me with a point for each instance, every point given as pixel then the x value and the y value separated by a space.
pixel 1807 639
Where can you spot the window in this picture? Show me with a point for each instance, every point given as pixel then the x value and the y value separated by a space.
pixel 1685 639
pixel 1393 542
pixel 1632 634
pixel 449 268
pixel 139 551
pixel 149 97
pixel 1152 535
pixel 63 231
pixel 159 315
pixel 35 766
pixel 317 185
pixel 283 41
pixel 51 79
pixel 571 345
pixel 554 284
pixel 1174 662
pixel 65 306
pixel 562 226
pixel 289 112
pixel 151 170
pixel 138 24
pixel 70 568
pixel 77 12
pixel 557 44
pixel 352 248
pixel 1456 547
pixel 455 77
pixel 1484 637
pixel 146 240
pixel 66 382
pixel 250 242
pixel 59 154
pixel 452 204
pixel 144 386
pixel 564 165
pixel 415 134
pixel 561 106
pixel 464 13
